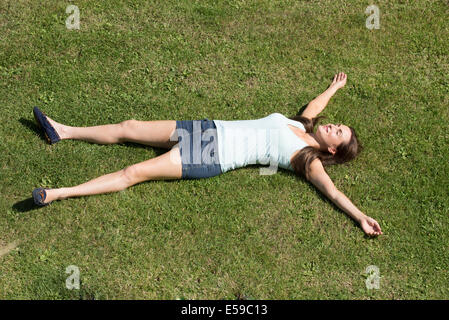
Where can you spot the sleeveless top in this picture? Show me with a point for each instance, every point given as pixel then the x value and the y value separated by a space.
pixel 266 141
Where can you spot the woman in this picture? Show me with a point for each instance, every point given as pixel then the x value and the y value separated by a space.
pixel 206 148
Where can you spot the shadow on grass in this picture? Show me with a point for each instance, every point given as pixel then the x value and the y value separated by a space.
pixel 32 126
pixel 302 109
pixel 25 205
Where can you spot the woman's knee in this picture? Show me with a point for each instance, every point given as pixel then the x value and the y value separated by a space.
pixel 131 175
pixel 127 127
pixel 139 172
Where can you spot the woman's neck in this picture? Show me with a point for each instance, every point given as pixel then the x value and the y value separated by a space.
pixel 309 138
pixel 313 141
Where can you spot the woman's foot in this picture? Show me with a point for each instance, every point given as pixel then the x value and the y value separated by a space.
pixel 60 129
pixel 53 131
pixel 40 197
pixel 43 197
pixel 52 195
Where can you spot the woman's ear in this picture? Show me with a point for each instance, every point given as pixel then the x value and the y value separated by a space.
pixel 331 150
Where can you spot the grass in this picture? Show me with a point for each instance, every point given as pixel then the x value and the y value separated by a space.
pixel 239 234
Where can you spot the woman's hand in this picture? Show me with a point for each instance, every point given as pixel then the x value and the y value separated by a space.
pixel 370 226
pixel 339 80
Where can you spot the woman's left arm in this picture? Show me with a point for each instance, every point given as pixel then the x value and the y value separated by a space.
pixel 319 178
pixel 368 224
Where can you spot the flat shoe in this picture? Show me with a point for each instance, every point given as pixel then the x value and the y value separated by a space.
pixel 50 133
pixel 39 196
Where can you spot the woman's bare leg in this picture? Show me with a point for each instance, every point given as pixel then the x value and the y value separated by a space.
pixel 154 133
pixel 164 167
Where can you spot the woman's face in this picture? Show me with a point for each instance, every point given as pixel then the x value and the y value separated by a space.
pixel 332 135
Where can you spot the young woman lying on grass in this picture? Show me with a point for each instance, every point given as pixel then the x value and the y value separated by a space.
pixel 205 148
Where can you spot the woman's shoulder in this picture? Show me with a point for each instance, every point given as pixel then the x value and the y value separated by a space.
pixel 276 115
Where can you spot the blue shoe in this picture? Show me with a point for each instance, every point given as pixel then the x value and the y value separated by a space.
pixel 39 196
pixel 50 133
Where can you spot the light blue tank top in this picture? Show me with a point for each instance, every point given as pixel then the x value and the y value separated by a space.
pixel 266 141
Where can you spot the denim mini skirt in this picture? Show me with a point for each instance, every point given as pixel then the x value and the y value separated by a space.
pixel 198 146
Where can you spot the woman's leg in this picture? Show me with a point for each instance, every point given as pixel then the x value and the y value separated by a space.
pixel 167 166
pixel 154 133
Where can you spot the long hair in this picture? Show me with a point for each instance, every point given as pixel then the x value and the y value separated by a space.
pixel 345 151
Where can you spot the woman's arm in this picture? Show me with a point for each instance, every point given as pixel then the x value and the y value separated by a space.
pixel 320 179
pixel 347 206
pixel 318 104
pixel 368 224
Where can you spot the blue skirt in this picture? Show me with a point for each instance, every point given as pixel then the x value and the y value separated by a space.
pixel 198 146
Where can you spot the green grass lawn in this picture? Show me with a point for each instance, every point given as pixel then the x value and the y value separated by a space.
pixel 239 235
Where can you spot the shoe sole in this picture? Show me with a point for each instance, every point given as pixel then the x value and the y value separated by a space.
pixel 35 194
pixel 39 125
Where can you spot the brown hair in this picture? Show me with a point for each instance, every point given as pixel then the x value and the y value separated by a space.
pixel 345 151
